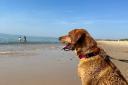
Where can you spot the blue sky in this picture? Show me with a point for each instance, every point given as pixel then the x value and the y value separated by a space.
pixel 102 18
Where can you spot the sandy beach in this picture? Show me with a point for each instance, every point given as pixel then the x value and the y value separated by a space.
pixel 46 64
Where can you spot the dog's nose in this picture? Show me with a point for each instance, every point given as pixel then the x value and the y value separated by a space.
pixel 60 38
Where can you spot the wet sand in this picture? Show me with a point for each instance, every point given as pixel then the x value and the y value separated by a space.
pixel 41 64
pixel 46 64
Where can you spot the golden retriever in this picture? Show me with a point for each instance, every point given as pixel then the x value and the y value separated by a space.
pixel 95 67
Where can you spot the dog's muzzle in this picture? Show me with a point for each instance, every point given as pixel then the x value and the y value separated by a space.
pixel 68 47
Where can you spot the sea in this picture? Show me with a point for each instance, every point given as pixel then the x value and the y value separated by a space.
pixel 11 45
pixel 14 39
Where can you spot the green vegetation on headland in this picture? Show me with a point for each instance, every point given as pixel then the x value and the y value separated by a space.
pixel 123 39
pixel 112 39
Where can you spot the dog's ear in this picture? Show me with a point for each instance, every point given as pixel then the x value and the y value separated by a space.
pixel 89 41
pixel 83 37
pixel 77 36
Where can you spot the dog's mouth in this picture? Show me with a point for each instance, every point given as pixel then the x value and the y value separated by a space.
pixel 68 47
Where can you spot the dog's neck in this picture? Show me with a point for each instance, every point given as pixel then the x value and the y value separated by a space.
pixel 88 53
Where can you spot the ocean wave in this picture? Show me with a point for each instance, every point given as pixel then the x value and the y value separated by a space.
pixel 7 52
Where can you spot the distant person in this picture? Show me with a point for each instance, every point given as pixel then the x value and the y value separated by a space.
pixel 25 39
pixel 19 39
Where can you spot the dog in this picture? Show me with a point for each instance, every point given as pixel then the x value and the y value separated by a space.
pixel 95 67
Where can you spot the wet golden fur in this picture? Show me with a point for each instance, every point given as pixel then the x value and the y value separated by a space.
pixel 96 70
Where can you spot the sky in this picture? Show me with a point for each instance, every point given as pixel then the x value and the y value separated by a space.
pixel 106 19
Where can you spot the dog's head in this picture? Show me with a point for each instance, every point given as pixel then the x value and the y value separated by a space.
pixel 77 38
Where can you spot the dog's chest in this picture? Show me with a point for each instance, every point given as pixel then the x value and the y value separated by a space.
pixel 89 67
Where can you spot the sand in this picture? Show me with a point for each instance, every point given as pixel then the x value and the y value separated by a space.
pixel 46 64
pixel 118 50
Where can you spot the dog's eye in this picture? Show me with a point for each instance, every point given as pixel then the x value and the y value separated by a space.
pixel 70 34
pixel 65 42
